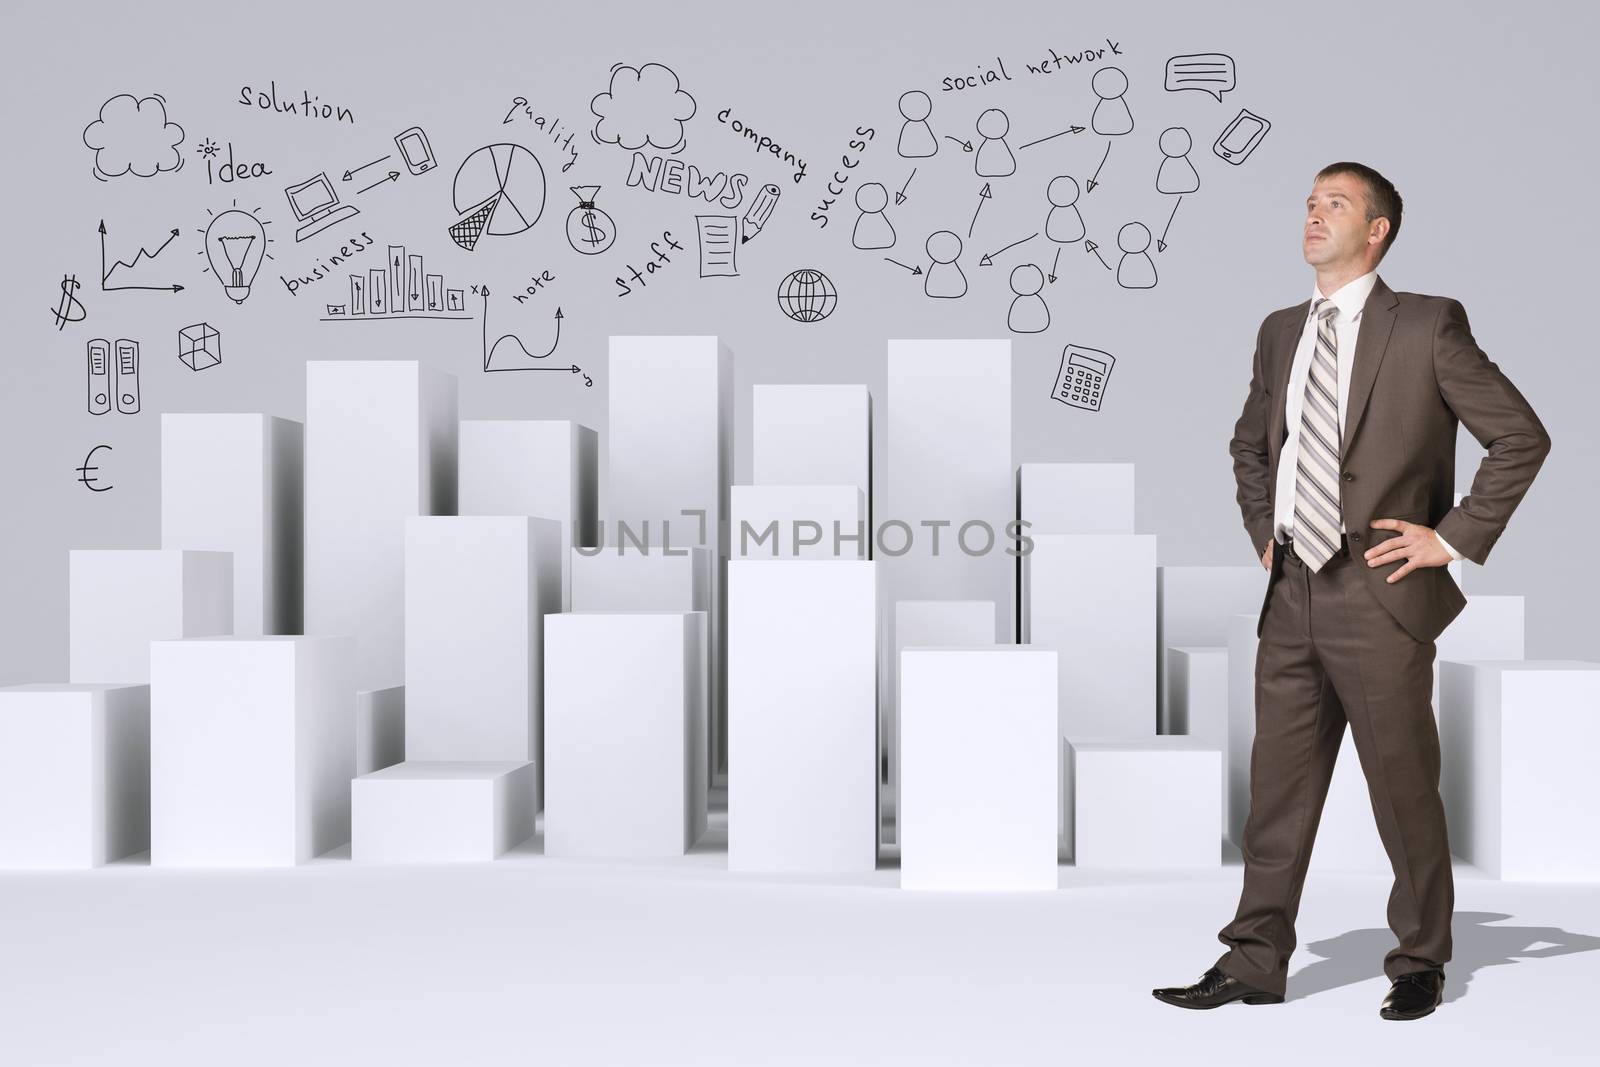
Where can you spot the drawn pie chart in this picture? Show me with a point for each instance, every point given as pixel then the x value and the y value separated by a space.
pixel 499 189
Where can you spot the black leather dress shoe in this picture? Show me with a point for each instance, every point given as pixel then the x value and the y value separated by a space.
pixel 1413 995
pixel 1214 990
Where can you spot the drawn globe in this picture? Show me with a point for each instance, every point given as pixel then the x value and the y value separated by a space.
pixel 807 295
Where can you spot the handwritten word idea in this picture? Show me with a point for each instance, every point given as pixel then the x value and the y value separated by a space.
pixel 232 171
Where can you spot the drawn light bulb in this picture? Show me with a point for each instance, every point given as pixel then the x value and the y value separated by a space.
pixel 235 246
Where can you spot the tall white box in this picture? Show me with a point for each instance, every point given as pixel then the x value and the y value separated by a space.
pixel 625 768
pixel 119 600
pixel 798 522
pixel 1200 703
pixel 654 578
pixel 1242 647
pixel 1122 813
pixel 477 591
pixel 978 800
pixel 546 468
pixel 922 622
pixel 1091 597
pixel 252 748
pixel 812 435
pixel 1193 606
pixel 1524 734
pixel 380 448
pixel 74 774
pixel 670 451
pixel 1076 498
pixel 801 715
pixel 232 483
pixel 438 812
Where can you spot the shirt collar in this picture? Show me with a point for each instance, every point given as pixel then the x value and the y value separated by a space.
pixel 1351 297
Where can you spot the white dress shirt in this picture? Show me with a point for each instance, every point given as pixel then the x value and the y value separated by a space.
pixel 1350 300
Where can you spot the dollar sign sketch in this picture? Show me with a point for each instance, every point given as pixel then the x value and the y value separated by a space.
pixel 596 235
pixel 64 311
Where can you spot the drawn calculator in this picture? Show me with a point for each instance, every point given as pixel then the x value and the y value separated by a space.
pixel 99 376
pixel 1082 381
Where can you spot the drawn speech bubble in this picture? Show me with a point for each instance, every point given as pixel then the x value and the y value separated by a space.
pixel 1209 72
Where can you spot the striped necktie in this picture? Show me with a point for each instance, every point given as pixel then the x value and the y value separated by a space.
pixel 1316 485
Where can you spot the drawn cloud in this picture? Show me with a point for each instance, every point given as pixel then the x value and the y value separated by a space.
pixel 644 106
pixel 133 136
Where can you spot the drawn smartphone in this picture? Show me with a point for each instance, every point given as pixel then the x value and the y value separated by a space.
pixel 128 377
pixel 415 150
pixel 1241 136
pixel 99 376
pixel 1082 381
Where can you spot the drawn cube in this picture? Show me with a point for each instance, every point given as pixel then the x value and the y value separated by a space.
pixel 200 346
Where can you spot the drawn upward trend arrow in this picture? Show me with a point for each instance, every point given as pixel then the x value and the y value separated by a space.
pixel 143 253
pixel 983 194
pixel 489 350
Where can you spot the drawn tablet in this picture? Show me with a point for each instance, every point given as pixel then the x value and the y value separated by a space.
pixel 415 150
pixel 1241 137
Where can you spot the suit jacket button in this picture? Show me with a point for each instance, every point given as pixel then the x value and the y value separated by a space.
pixel 1355 537
pixel 1349 477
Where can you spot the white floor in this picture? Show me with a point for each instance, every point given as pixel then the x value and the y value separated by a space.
pixel 556 962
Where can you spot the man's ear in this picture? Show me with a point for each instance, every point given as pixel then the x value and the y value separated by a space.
pixel 1380 230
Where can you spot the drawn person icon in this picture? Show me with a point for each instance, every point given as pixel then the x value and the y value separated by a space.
pixel 916 136
pixel 994 155
pixel 1135 270
pixel 1111 116
pixel 1064 223
pixel 944 279
pixel 1177 174
pixel 1029 313
pixel 872 225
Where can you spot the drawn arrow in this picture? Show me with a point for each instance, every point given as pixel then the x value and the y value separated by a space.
pixel 914 270
pixel 357 170
pixel 1053 136
pixel 983 194
pixel 1161 242
pixel 392 176
pixel 143 253
pixel 966 146
pixel 1051 277
pixel 900 197
pixel 1094 250
pixel 1095 180
pixel 988 259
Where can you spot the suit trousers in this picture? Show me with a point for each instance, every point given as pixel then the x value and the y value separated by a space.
pixel 1329 654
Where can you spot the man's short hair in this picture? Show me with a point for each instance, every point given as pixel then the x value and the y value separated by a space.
pixel 1383 199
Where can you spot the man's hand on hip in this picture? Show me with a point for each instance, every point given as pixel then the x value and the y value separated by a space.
pixel 1266 557
pixel 1417 544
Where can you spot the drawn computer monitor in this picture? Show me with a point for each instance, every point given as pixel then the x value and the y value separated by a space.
pixel 317 205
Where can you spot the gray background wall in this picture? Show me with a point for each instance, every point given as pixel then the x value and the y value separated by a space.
pixel 1481 114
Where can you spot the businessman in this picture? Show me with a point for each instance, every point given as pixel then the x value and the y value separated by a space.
pixel 1345 462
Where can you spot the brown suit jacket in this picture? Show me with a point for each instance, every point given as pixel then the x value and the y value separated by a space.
pixel 1416 373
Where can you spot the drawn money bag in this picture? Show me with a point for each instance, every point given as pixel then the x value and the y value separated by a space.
pixel 589 229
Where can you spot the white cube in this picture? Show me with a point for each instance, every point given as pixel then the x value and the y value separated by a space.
pixel 1200 703
pixel 653 578
pixel 380 728
pixel 252 748
pixel 1242 646
pixel 441 812
pixel 546 468
pixel 122 599
pixel 74 774
pixel 1076 498
pixel 805 434
pixel 624 748
pixel 1523 734
pixel 477 591
pixel 1193 606
pixel 1092 598
pixel 801 715
pixel 798 522
pixel 978 800
pixel 1153 803
pixel 232 483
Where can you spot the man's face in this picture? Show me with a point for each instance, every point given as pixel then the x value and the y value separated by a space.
pixel 1337 231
